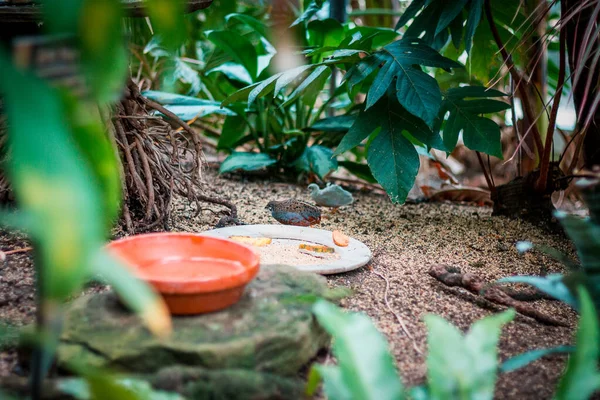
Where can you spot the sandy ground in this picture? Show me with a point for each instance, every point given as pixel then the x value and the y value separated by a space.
pixel 406 241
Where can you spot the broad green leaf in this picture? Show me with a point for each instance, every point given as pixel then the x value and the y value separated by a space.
pixel 323 33
pixel 393 161
pixel 241 94
pixel 479 133
pixel 463 365
pixel 186 74
pixel 478 92
pixel 134 293
pixel 167 17
pixel 553 285
pixel 233 71
pixel 311 87
pixel 187 113
pixel 238 47
pixel 456 30
pixel 419 93
pixel 263 88
pixel 234 129
pixel 287 77
pixel 99 385
pixel 472 22
pixel 173 99
pixel 103 56
pixel 246 162
pixel 367 370
pixel 362 70
pixel 52 181
pixel 313 7
pixel 586 237
pixel 321 160
pixel 339 123
pixel 62 17
pixel 92 140
pixel 582 379
pixel 364 124
pixel 333 382
pixel 249 21
pixel 410 12
pixel 451 10
pixel 392 157
pixel 362 171
pixel 527 358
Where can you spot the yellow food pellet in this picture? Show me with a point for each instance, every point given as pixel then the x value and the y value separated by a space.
pixel 253 241
pixel 317 248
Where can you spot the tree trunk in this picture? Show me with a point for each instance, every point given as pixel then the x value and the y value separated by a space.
pixel 576 31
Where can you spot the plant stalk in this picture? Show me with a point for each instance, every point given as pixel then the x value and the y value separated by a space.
pixel 542 183
pixel 525 101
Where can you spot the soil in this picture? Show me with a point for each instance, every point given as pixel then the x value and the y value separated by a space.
pixel 406 241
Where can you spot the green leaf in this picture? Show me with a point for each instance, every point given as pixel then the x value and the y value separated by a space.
pixel 92 140
pixel 526 358
pixel 246 162
pixel 238 47
pixel 391 155
pixel 339 123
pixel 263 88
pixel 187 113
pixel 393 161
pixel 52 181
pixel 479 133
pixel 100 385
pixel 234 129
pixel 586 237
pixel 241 94
pixel 183 72
pixel 360 170
pixel 417 91
pixel 366 368
pixel 311 87
pixel 233 71
pixel 412 10
pixel 103 56
pixel 465 365
pixel 167 17
pixel 472 22
pixel 321 160
pixel 313 8
pixel 553 285
pixel 581 379
pixel 248 20
pixel 333 382
pixel 134 293
pixel 451 10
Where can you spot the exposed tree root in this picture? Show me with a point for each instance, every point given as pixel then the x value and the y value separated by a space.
pixel 158 163
pixel 496 294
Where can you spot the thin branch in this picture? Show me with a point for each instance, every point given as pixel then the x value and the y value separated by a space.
pixel 541 184
pixel 485 173
pixel 526 104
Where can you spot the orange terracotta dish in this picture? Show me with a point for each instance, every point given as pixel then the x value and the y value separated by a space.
pixel 194 273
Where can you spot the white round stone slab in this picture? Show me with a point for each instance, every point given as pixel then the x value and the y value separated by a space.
pixel 354 256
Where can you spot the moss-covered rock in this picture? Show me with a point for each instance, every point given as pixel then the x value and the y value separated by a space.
pixel 269 334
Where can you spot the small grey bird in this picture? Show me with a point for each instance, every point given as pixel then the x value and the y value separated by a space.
pixel 333 196
pixel 294 212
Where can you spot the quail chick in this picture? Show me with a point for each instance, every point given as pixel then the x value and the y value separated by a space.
pixel 333 196
pixel 294 212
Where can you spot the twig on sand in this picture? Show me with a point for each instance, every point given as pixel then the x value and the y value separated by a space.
pixel 452 277
pixel 395 314
pixel 3 254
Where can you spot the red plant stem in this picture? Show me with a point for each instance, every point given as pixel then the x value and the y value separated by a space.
pixel 516 77
pixel 490 184
pixel 542 183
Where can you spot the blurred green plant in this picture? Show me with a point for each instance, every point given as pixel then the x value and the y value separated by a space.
pixel 458 366
pixel 64 170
